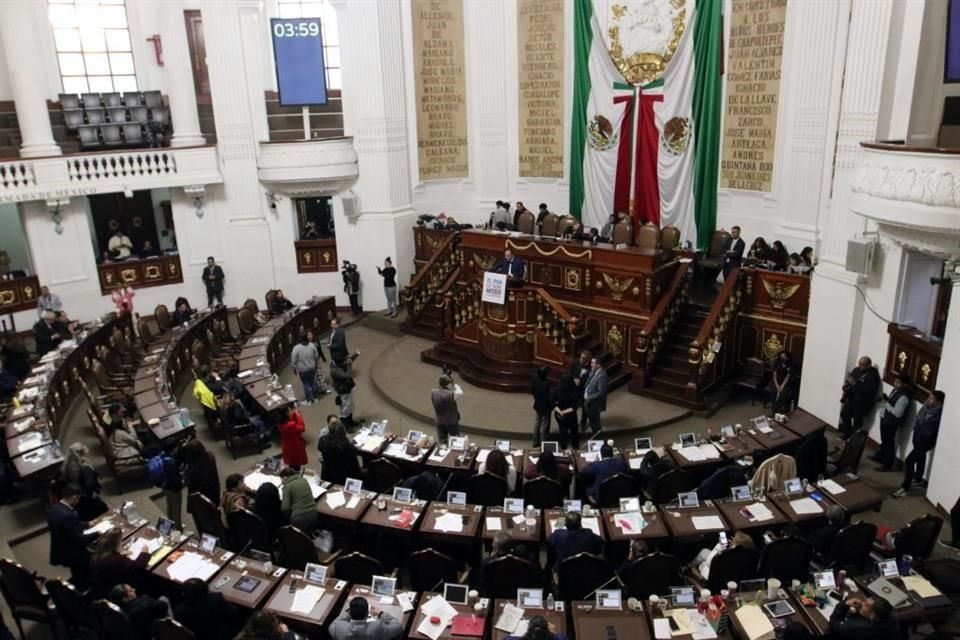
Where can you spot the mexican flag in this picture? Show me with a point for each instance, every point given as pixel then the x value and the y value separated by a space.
pixel 650 150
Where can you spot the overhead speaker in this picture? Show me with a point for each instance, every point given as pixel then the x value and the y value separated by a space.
pixel 351 207
pixel 860 252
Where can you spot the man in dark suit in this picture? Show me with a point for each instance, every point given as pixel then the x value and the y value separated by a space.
pixel 143 611
pixel 571 540
pixel 579 371
pixel 733 251
pixel 595 395
pixel 606 467
pixel 46 334
pixel 337 343
pixel 864 619
pixel 213 281
pixel 68 543
pixel 207 614
pixel 510 265
pixel 860 390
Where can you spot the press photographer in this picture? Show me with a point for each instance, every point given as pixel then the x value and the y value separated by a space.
pixel 351 285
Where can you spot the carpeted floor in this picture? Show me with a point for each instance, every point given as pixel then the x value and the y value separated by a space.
pixel 389 363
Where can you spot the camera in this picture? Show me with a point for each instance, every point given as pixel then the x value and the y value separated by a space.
pixel 446 370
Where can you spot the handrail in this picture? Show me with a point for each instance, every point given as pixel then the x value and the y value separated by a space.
pixel 658 324
pixel 665 300
pixel 415 281
pixel 553 302
pixel 714 329
pixel 565 339
pixel 729 284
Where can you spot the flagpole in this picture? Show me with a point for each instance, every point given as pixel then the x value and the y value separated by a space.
pixel 633 154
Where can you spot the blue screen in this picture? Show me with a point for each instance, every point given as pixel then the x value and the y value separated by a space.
pixel 298 53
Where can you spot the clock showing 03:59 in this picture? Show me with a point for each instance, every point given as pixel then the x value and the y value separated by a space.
pixel 298 54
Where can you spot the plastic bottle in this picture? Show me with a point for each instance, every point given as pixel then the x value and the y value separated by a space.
pixel 550 602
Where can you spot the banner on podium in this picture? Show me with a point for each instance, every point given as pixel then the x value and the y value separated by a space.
pixel 494 287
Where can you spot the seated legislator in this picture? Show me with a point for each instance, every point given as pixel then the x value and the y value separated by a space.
pixel 359 623
pixel 110 566
pixel 510 265
pixel 571 540
pixel 280 303
pixel 206 613
pixel 606 467
pixel 864 619
pixel 46 333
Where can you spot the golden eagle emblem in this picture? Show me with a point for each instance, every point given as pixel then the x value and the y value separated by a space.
pixel 779 292
pixel 616 286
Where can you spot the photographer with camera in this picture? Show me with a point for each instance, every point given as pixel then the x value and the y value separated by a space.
pixel 351 285
pixel 444 400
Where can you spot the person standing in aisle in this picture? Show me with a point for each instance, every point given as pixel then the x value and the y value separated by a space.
pixel 213 280
pixel 542 405
pixel 444 399
pixel 389 274
pixel 304 359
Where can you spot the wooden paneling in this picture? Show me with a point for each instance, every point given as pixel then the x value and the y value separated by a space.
pixel 316 256
pixel 911 352
pixel 19 294
pixel 153 272
pixel 776 294
pixel 426 241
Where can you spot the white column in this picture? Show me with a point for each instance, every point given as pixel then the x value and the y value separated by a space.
pixel 944 489
pixel 491 96
pixel 181 92
pixel 18 31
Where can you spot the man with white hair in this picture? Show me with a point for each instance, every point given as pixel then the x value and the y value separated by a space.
pixel 45 333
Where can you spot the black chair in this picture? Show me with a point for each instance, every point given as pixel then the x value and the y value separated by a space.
pixel 503 576
pixel 89 136
pixel 132 99
pixel 487 489
pixel 72 609
pixel 357 568
pixel 111 135
pixel 383 475
pixel 117 115
pixel 162 315
pixel 811 456
pixel 170 629
pixel 851 547
pixel 752 376
pixel 671 483
pixel 111 99
pixel 617 486
pixel 736 564
pixel 918 538
pixel 22 592
pixel 543 493
pixel 90 100
pixel 206 517
pixel 786 559
pixel 578 576
pixel 653 574
pixel 112 622
pixel 296 548
pixel 96 116
pixel 429 567
pixel 152 99
pixel 236 435
pixel 138 114
pixel 248 530
pixel 70 101
pixel 73 118
pixel 849 460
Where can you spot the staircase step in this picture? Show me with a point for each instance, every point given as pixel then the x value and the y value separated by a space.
pixel 670 375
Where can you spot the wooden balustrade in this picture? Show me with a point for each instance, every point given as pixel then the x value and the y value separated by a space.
pixel 149 272
pixel 658 324
pixel 18 294
pixel 709 361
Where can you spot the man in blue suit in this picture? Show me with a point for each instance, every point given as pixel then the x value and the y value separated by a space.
pixel 595 394
pixel 68 543
pixel 571 540
pixel 510 265
pixel 599 470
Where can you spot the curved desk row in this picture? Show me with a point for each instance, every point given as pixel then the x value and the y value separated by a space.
pixel 32 430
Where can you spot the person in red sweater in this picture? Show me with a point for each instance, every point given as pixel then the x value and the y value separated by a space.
pixel 292 444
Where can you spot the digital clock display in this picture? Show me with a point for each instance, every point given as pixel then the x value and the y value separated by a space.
pixel 298 56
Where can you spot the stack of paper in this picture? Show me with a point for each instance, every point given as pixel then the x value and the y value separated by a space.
pixel 803 506
pixel 140 545
pixel 702 629
pixel 510 619
pixel 450 522
pixel 255 479
pixel 635 462
pixel 335 499
pixel 101 527
pixel 693 454
pixel 493 524
pixel 764 427
pixel 304 600
pixel 436 607
pixel 832 486
pixel 590 456
pixel 373 443
pixel 755 622
pixel 316 489
pixel 353 502
pixel 921 586
pixel 191 565
pixel 759 512
pixel 482 455
pixel 704 523
pixel 630 523
pixel 709 451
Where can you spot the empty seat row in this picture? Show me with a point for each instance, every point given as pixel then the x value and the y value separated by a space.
pixel 115 99
pixel 114 135
pixel 75 118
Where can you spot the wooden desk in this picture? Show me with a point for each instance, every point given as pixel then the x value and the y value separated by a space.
pixel 374 517
pixel 696 466
pixel 219 557
pixel 858 497
pixel 396 453
pixel 557 618
pixel 731 512
pixel 395 610
pixel 238 567
pixel 680 521
pixel 780 438
pixel 519 532
pixel 656 528
pixel 445 460
pixel 462 609
pixel 175 426
pixel 782 502
pixel 803 424
pixel 31 440
pixel 323 612
pixel 44 459
pixel 910 615
pixel 554 519
pixel 628 625
pixel 149 533
pixel 345 514
pixel 269 397
pixel 371 445
pixel 471 515
pixel 739 447
pixel 814 616
pixel 159 411
pixel 113 516
pixel 797 617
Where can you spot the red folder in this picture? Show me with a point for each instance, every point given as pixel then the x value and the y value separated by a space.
pixel 467 625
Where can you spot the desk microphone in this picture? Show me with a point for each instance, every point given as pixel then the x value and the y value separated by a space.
pixel 594 592
pixel 443 489
pixel 244 548
pixel 434 588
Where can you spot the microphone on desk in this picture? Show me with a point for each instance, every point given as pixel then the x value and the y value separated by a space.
pixel 443 489
pixel 594 592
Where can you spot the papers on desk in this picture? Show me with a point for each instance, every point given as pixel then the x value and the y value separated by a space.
pixel 405 600
pixel 682 618
pixel 805 506
pixel 316 489
pixel 700 626
pixel 140 545
pixel 353 502
pixel 28 394
pixel 22 425
pixel 256 479
pixel 32 380
pixel 590 456
pixel 335 499
pixel 439 608
pixel 661 629
pixel 832 486
pixel 245 374
pixel 304 600
pixel 33 439
pixel 100 527
pixel 510 619
pixel 22 410
pixel 368 441
pixel 758 512
pixel 699 453
pixel 493 523
pixel 705 523
pixel 755 622
pixel 399 450
pixel 449 523
pixel 921 586
pixel 49 356
pixel 191 565
pixel 630 522
pixel 482 455
pixel 534 459
pixel 635 462
pixel 439 454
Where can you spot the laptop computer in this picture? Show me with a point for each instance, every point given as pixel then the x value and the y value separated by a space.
pixel 885 589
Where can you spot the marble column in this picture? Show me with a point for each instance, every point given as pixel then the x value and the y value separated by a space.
pixel 18 31
pixel 943 486
pixel 179 71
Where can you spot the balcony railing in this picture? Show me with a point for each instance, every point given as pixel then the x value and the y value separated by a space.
pixel 56 177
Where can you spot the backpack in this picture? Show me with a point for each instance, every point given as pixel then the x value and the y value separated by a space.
pixel 156 470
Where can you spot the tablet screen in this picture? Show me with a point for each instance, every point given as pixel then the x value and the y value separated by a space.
pixel 688 499
pixel 740 493
pixel 455 593
pixel 247 584
pixel 315 573
pixel 779 608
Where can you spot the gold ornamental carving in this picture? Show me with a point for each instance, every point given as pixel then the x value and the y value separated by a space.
pixel 617 286
pixel 615 341
pixel 128 275
pixel 326 257
pixel 644 36
pixel 484 263
pixel 779 292
pixel 901 360
pixel 108 277
pixel 152 272
pixel 29 293
pixel 559 248
pixel 8 296
pixel 772 347
pixel 172 268
pixel 307 258
pixel 571 276
pixel 925 373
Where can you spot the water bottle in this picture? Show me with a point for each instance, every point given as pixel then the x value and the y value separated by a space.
pixel 906 564
pixel 550 602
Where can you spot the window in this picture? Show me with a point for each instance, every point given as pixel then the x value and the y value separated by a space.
pixel 324 10
pixel 93 45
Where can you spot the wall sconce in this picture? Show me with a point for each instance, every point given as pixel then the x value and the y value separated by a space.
pixel 272 200
pixel 198 206
pixel 54 206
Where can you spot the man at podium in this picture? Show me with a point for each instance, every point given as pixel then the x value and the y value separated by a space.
pixel 510 266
